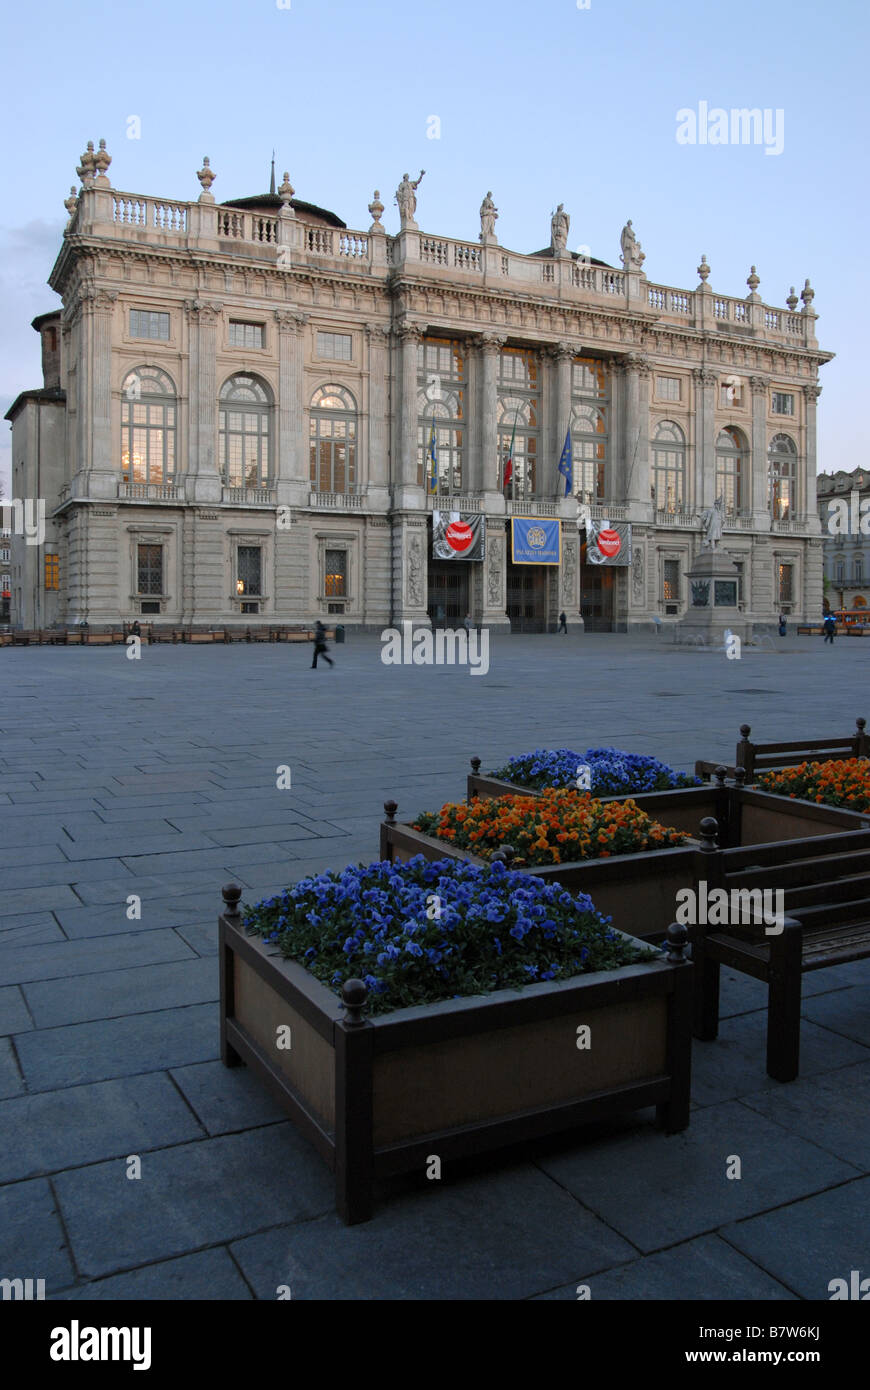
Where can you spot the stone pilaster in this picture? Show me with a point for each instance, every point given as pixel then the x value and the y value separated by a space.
pixel 378 340
pixel 292 470
pixel 494 578
pixel 205 485
pixel 756 489
pixel 563 355
pixel 705 437
pixel 813 588
pixel 99 470
pixel 632 482
pixel 409 335
pixel 410 569
pixel 807 505
pixel 486 463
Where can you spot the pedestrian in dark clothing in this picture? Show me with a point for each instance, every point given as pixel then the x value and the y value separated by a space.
pixel 563 623
pixel 782 625
pixel 830 628
pixel 320 648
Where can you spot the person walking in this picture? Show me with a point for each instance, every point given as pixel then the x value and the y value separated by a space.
pixel 466 623
pixel 563 623
pixel 320 648
pixel 830 625
pixel 782 625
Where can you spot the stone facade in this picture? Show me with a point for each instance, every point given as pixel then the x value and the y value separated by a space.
pixel 846 536
pixel 239 401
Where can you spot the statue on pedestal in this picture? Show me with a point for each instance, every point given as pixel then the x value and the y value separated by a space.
pixel 406 199
pixel 632 256
pixel 488 215
pixel 560 224
pixel 713 520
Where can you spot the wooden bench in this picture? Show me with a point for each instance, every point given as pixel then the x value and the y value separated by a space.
pixel 772 757
pixel 27 638
pixel 825 883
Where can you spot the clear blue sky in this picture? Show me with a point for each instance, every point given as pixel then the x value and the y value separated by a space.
pixel 542 103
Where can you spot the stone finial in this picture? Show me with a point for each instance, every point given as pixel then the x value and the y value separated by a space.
pixel 72 202
pixel 704 270
pixel 85 170
pixel 102 160
pixel 792 300
pixel 286 189
pixel 808 294
pixel 753 280
pixel 206 176
pixel 376 209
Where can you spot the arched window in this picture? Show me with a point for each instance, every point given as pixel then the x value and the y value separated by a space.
pixel 731 454
pixel 333 429
pixel 590 412
pixel 148 419
pixel 245 432
pixel 669 468
pixel 782 457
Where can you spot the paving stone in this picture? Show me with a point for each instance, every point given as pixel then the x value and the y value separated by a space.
pixel 707 1269
pixel 808 1244
pixel 658 1189
pixel 14 1017
pixel 32 1244
pixel 202 938
pixel 113 844
pixel 89 956
pixel 208 1275
pixel 83 1124
pixel 503 1236
pixel 196 1194
pixel 10 1077
pixel 259 834
pixel 847 1013
pixel 202 859
pixel 226 1099
pixel 82 1052
pixel 832 1111
pixel 46 875
pixel 734 1063
pixel 120 993
pixel 29 929
pixel 148 886
pixel 112 919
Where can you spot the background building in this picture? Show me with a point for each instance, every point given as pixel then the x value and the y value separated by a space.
pixel 846 555
pixel 240 399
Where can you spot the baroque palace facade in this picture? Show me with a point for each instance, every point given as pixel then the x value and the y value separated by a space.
pixel 240 401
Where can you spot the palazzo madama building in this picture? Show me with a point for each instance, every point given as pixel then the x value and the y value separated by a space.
pixel 240 401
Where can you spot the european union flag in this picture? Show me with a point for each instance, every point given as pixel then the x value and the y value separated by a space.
pixel 566 464
pixel 432 475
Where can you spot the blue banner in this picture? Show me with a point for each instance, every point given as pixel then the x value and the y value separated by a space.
pixel 536 541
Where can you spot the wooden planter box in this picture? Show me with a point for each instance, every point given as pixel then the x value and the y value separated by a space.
pixel 639 890
pixel 377 1097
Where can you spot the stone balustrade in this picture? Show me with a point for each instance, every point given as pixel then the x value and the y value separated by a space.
pixel 292 241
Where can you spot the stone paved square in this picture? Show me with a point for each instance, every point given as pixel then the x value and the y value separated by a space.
pixel 157 779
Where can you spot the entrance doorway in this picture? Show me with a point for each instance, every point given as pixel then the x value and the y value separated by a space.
pixel 527 597
pixel 596 594
pixel 448 592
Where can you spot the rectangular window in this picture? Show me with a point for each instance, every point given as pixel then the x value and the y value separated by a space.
pixel 338 346
pixel 671 581
pixel 146 323
pixel 250 570
pixel 336 574
pixel 668 388
pixel 248 335
pixel 149 605
pixel 52 572
pixel 150 569
pixel 783 403
pixel 786 583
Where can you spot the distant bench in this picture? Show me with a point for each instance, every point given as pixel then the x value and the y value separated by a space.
pixel 772 757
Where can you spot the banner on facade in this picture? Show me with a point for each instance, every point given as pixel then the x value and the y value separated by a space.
pixel 536 541
pixel 458 536
pixel 608 543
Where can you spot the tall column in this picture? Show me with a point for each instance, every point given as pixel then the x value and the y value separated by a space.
pixel 378 494
pixel 633 480
pixel 563 355
pixel 807 504
pixel 705 437
pixel 487 463
pixel 758 498
pixel 292 472
pixel 95 391
pixel 206 483
pixel 410 335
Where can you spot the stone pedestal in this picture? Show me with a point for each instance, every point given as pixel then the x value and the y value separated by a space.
pixel 712 588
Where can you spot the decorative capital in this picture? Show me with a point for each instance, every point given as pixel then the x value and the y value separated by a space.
pixel 636 362
pixel 104 299
pixel 206 312
pixel 102 160
pixel 758 385
pixel 206 176
pixel 704 376
pixel 811 394
pixel 491 343
pixel 377 333
pixel 290 320
pixel 410 332
pixel 562 351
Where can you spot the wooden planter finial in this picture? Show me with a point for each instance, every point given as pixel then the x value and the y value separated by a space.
pixel 745 730
pixel 475 765
pixel 709 834
pixel 740 776
pixel 231 895
pixel 678 938
pixel 391 807
pixel 503 855
pixel 720 774
pixel 353 996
